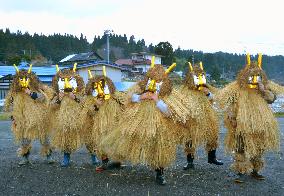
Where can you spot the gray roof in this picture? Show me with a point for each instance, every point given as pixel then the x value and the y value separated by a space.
pixel 82 57
pixel 90 64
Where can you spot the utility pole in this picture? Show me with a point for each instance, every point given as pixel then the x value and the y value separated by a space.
pixel 107 33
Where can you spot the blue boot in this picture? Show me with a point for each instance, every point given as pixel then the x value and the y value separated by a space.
pixel 95 160
pixel 66 160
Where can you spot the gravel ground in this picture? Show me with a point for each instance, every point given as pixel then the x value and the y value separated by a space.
pixel 39 178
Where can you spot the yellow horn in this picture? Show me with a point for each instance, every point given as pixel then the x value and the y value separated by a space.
pixel 153 62
pixel 57 68
pixel 201 65
pixel 74 67
pixel 30 69
pixel 190 67
pixel 90 74
pixel 16 68
pixel 259 60
pixel 104 71
pixel 170 68
pixel 248 59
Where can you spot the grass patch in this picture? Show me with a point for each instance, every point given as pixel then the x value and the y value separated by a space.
pixel 5 116
pixel 279 114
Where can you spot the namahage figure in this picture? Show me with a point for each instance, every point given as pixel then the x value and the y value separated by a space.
pixel 199 119
pixel 28 102
pixel 145 132
pixel 102 106
pixel 65 109
pixel 252 127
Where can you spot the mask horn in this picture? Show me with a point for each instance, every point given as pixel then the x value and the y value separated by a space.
pixel 201 65
pixel 170 68
pixel 153 62
pixel 16 68
pixel 190 67
pixel 248 59
pixel 104 71
pixel 74 67
pixel 57 68
pixel 259 60
pixel 30 69
pixel 90 74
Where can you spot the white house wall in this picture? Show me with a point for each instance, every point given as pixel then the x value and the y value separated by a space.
pixel 158 60
pixel 113 73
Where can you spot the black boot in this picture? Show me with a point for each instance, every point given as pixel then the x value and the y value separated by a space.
pixel 256 175
pixel 160 178
pixel 189 164
pixel 212 158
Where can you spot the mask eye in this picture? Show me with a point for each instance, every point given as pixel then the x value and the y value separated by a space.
pixel 106 90
pixel 195 80
pixel 158 86
pixel 95 93
pixel 73 83
pixel 60 84
pixel 204 78
pixel 148 83
pixel 259 78
pixel 250 78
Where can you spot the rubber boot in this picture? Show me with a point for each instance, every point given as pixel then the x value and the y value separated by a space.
pixel 66 160
pixel 94 159
pixel 160 178
pixel 25 159
pixel 256 175
pixel 189 164
pixel 212 158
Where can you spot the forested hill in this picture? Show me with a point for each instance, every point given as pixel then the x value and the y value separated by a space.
pixel 52 48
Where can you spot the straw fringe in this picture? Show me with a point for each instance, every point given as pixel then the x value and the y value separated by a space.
pixel 275 88
pixel 30 118
pixel 200 123
pixel 241 164
pixel 255 121
pixel 45 150
pixel 67 125
pixel 143 135
pixel 106 119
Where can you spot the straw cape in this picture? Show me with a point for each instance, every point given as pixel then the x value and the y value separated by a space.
pixel 30 117
pixel 252 127
pixel 66 122
pixel 100 118
pixel 144 134
pixel 198 121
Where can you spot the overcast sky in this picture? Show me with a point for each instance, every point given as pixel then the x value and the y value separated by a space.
pixel 208 25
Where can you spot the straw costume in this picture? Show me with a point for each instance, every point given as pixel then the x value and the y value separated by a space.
pixel 66 109
pixel 252 127
pixel 28 102
pixel 144 133
pixel 101 108
pixel 201 121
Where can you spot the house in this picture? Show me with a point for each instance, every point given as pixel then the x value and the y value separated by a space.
pixel 81 58
pixel 93 62
pixel 139 63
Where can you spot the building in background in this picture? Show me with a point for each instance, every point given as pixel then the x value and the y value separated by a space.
pixel 93 62
pixel 85 61
pixel 139 62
